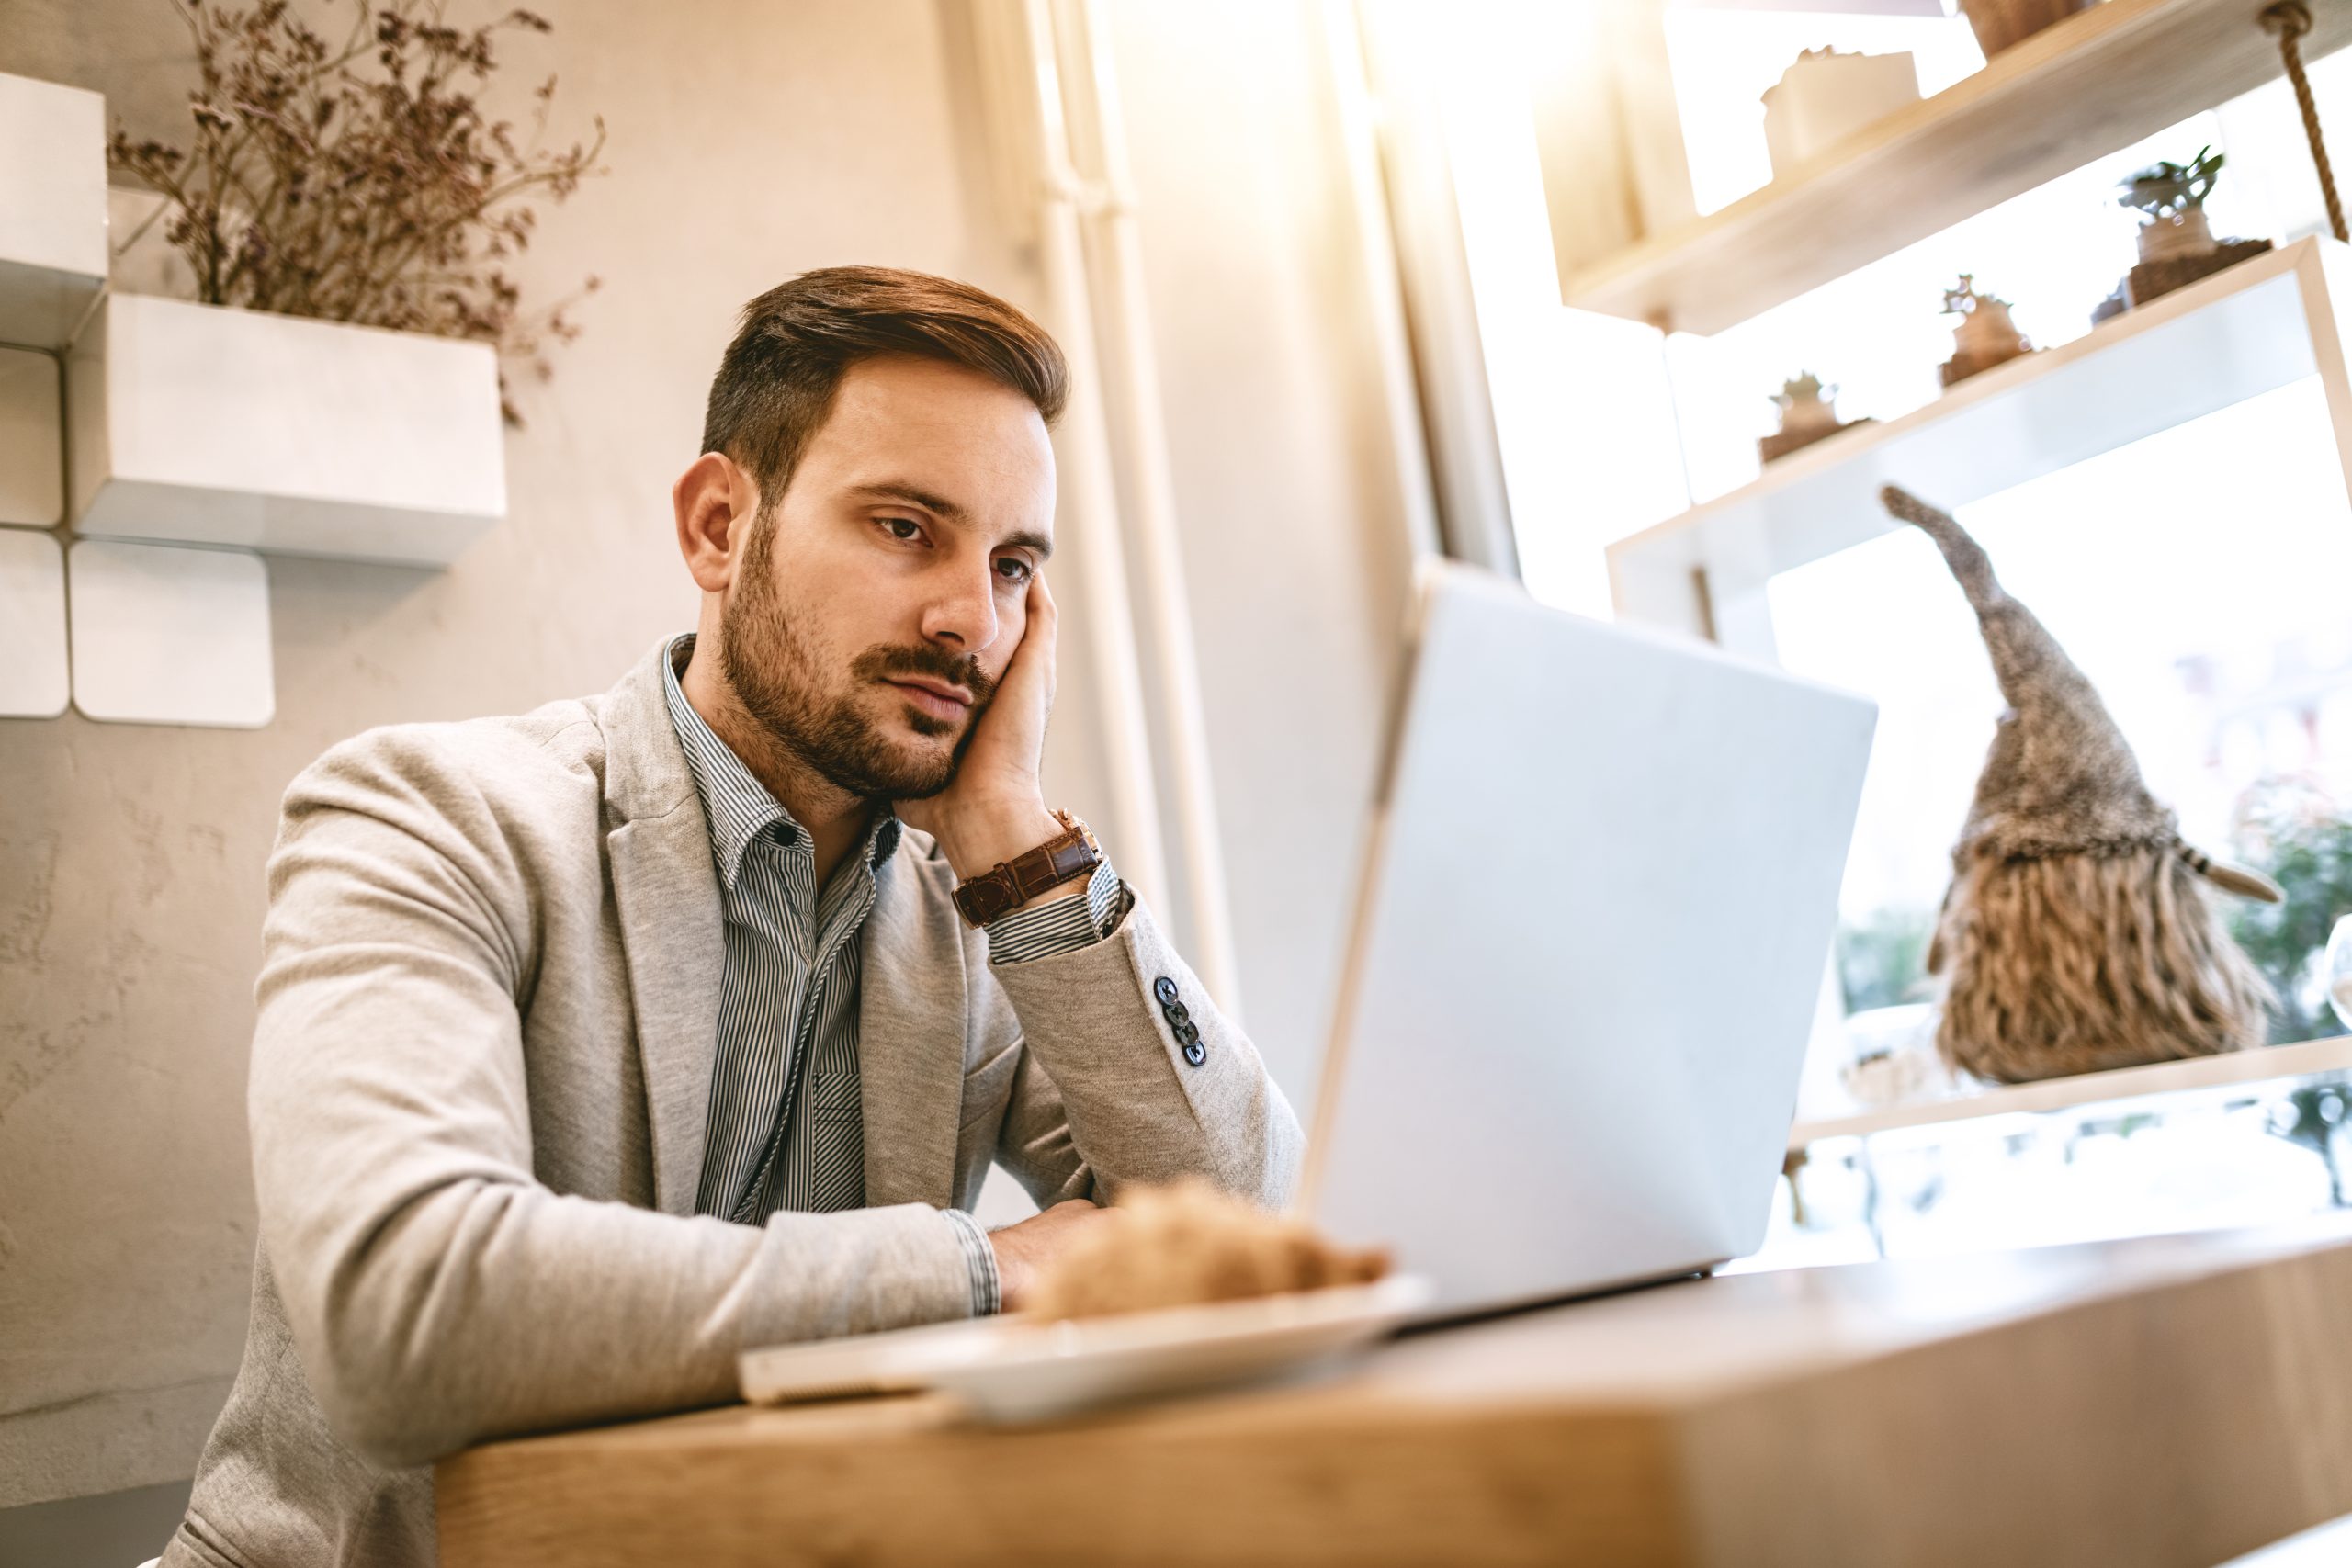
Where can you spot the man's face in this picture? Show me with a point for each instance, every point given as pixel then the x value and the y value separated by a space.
pixel 881 596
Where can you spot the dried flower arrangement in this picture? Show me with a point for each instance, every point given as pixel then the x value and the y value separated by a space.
pixel 361 182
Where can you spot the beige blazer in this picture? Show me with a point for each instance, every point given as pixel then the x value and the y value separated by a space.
pixel 488 1008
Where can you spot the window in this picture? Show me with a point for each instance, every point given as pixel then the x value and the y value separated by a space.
pixel 2193 575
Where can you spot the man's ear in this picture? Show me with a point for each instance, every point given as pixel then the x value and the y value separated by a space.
pixel 715 501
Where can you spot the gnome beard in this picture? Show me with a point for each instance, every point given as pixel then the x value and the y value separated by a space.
pixel 2077 934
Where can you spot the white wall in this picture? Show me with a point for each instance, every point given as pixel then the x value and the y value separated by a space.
pixel 751 140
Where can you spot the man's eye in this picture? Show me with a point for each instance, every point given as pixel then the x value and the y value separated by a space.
pixel 903 527
pixel 1020 570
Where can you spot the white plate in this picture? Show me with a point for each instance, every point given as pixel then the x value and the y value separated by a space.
pixel 899 1362
pixel 1012 1368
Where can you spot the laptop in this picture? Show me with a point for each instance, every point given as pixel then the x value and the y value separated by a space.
pixel 1595 906
pixel 1595 910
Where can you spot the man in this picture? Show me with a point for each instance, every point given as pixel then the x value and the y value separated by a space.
pixel 599 1044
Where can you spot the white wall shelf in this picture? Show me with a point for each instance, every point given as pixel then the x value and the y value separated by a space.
pixel 198 424
pixel 167 635
pixel 52 209
pixel 2097 82
pixel 33 440
pixel 33 671
pixel 2266 1064
pixel 2275 318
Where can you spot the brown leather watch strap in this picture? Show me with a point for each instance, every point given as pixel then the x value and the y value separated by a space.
pixel 1068 855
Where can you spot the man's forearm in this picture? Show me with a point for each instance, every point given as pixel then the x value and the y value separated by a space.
pixel 483 1309
pixel 1153 1088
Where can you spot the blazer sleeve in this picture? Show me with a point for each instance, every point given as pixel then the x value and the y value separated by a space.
pixel 1116 1090
pixel 437 1293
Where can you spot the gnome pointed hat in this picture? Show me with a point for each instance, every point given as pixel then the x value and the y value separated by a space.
pixel 2060 778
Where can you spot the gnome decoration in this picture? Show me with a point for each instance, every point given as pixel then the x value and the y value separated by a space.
pixel 2076 935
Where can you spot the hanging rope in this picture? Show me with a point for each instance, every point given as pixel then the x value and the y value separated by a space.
pixel 2291 19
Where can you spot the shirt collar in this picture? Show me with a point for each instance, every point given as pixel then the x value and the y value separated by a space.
pixel 735 805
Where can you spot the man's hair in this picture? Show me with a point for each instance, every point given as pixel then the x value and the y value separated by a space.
pixel 797 342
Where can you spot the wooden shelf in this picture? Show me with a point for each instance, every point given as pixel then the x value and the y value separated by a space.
pixel 2264 322
pixel 2268 1064
pixel 2095 83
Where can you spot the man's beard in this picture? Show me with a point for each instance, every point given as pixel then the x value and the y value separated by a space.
pixel 775 676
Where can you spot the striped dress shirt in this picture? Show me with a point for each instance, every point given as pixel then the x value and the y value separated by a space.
pixel 785 1128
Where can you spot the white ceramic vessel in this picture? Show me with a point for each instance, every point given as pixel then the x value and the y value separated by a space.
pixel 201 424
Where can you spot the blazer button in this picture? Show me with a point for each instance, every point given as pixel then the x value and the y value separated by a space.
pixel 1177 1014
pixel 1196 1053
pixel 1164 989
pixel 1187 1031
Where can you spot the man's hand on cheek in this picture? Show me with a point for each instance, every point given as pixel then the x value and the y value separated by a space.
pixel 995 808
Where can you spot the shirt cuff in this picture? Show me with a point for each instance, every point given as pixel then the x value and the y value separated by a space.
pixel 1042 931
pixel 988 1296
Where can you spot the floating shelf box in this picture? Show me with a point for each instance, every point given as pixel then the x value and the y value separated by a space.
pixel 33 440
pixel 33 671
pixel 198 424
pixel 2091 85
pixel 168 635
pixel 2262 324
pixel 52 210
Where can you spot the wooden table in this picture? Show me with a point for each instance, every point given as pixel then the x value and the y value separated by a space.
pixel 2163 1400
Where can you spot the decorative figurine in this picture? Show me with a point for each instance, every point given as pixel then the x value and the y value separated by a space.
pixel 1986 336
pixel 2176 246
pixel 1806 415
pixel 2077 934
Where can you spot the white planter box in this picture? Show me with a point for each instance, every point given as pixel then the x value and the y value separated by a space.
pixel 200 424
pixel 32 625
pixel 52 209
pixel 164 635
pixel 1824 98
pixel 33 440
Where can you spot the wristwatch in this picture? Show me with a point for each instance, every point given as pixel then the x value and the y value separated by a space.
pixel 1008 885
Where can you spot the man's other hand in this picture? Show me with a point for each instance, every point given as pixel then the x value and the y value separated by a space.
pixel 1023 1251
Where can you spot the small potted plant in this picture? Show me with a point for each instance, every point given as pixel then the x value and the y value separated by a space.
pixel 347 209
pixel 1986 335
pixel 1808 413
pixel 2176 243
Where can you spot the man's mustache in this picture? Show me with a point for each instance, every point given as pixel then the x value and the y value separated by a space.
pixel 883 662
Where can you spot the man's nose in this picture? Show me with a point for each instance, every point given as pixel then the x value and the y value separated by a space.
pixel 962 608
